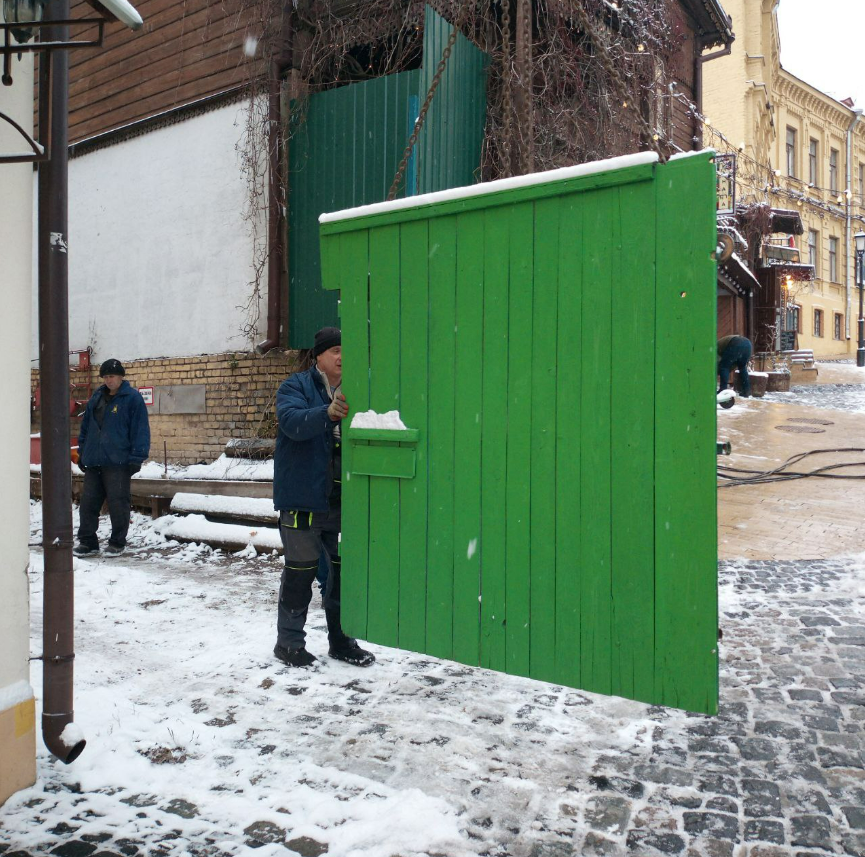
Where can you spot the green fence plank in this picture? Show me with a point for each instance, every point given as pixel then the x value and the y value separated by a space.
pixel 442 391
pixel 468 547
pixel 494 441
pixel 632 437
pixel 685 416
pixel 519 441
pixel 595 394
pixel 349 255
pixel 384 338
pixel 568 410
pixel 542 521
pixel 414 368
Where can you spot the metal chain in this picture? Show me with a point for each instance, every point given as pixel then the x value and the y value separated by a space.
pixel 418 125
pixel 526 128
pixel 618 82
pixel 507 101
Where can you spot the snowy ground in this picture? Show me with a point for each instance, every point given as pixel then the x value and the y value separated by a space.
pixel 200 743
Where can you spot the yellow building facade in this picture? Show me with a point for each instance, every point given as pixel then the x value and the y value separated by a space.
pixel 797 149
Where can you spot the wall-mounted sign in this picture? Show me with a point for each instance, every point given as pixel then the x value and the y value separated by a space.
pixel 147 395
pixel 725 176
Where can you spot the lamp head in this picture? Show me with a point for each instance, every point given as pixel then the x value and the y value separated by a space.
pixel 22 12
pixel 859 238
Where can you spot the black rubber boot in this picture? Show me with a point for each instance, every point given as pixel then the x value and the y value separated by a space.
pixel 294 657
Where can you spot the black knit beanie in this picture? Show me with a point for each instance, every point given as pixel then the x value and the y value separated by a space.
pixel 326 338
pixel 111 367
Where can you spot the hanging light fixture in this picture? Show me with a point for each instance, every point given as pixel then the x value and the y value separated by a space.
pixel 23 12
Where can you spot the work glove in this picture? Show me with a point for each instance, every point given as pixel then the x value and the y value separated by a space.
pixel 81 467
pixel 338 408
pixel 134 467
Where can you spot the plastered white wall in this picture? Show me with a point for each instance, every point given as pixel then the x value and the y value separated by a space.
pixel 16 218
pixel 160 258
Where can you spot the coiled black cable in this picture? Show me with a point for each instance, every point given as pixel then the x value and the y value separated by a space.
pixel 782 474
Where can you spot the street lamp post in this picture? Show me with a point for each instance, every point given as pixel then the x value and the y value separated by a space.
pixel 859 237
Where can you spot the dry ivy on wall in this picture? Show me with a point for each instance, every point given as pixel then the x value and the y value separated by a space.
pixel 576 96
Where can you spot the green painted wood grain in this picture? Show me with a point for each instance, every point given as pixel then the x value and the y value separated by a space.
pixel 542 520
pixel 384 500
pixel 686 656
pixel 414 369
pixel 468 546
pixel 632 419
pixel 568 410
pixel 517 412
pixel 494 359
pixel 347 258
pixel 440 596
pixel 600 210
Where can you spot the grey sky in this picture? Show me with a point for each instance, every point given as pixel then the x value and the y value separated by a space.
pixel 823 43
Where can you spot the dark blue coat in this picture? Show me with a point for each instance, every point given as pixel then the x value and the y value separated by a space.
pixel 303 463
pixel 125 434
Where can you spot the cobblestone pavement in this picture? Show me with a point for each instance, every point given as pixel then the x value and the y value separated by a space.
pixel 840 397
pixel 536 770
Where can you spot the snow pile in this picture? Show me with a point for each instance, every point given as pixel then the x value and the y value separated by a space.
pixel 244 469
pixel 196 528
pixel 372 420
pixel 235 507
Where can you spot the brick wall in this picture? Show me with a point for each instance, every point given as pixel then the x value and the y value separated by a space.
pixel 240 393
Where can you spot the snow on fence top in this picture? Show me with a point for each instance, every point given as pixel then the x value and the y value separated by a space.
pixel 372 420
pixel 493 187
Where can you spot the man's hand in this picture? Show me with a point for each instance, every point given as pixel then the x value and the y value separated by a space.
pixel 338 408
pixel 134 467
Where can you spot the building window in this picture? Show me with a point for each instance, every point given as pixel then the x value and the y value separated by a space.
pixel 838 325
pixel 791 152
pixel 833 170
pixel 813 240
pixel 812 162
pixel 833 260
pixel 818 322
pixel 794 318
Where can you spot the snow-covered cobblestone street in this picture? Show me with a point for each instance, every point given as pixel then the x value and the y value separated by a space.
pixel 200 743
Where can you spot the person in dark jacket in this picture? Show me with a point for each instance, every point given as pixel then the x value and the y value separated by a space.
pixel 306 493
pixel 113 442
pixel 734 351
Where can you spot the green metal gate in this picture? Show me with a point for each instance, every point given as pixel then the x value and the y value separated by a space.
pixel 550 511
pixel 346 145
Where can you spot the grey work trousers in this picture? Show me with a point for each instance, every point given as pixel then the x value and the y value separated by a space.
pixel 305 536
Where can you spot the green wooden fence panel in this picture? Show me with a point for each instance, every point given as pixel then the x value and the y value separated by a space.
pixel 551 347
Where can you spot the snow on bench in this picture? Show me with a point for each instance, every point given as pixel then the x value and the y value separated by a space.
pixel 196 528
pixel 245 508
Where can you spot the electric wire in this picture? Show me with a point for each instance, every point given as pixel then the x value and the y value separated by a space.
pixel 741 476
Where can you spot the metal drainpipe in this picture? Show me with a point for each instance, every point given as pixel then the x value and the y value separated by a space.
pixel 59 732
pixel 848 229
pixel 277 237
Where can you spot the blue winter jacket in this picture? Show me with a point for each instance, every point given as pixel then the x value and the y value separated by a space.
pixel 125 434
pixel 303 463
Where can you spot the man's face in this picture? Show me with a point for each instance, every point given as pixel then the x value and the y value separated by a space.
pixel 330 362
pixel 113 382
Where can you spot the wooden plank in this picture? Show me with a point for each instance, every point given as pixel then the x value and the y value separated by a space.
pixel 542 522
pixel 519 439
pixel 397 462
pixel 384 375
pixel 595 395
pixel 441 602
pixel 207 77
pixel 686 654
pixel 568 410
pixel 492 199
pixel 468 380
pixel 494 359
pixel 633 445
pixel 350 260
pixel 413 405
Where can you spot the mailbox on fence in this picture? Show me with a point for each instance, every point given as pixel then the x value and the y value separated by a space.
pixel 549 342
